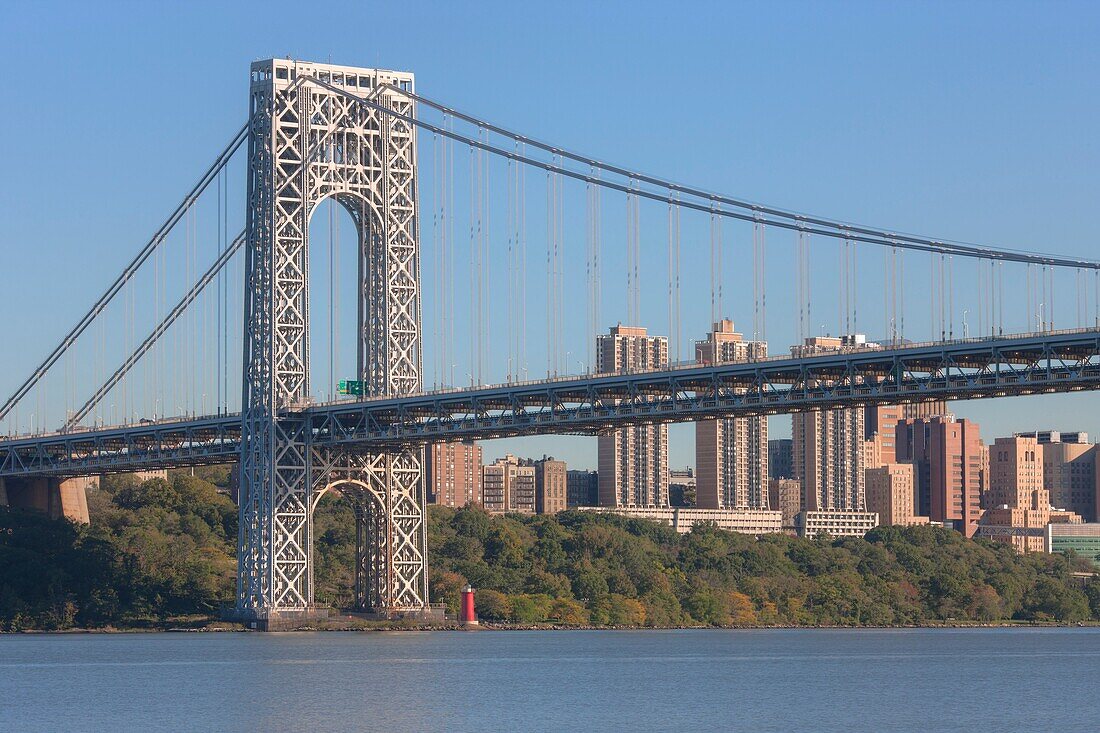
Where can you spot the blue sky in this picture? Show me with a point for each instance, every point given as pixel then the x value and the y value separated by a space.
pixel 974 121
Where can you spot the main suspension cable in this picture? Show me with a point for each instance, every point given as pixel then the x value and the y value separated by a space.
pixel 753 211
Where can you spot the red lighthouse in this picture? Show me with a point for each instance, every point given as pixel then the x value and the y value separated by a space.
pixel 468 617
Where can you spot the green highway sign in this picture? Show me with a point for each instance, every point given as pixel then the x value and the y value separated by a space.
pixel 350 386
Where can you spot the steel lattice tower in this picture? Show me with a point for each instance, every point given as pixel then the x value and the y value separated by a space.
pixel 309 140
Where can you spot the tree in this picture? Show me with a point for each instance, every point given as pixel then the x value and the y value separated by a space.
pixel 706 607
pixel 1092 592
pixel 741 609
pixel 492 605
pixel 623 611
pixel 567 611
pixel 1051 600
pixel 985 604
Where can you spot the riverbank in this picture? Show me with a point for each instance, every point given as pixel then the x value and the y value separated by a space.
pixel 160 555
pixel 208 625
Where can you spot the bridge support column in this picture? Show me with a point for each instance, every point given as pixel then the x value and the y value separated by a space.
pixel 54 497
pixel 69 498
pixel 275 537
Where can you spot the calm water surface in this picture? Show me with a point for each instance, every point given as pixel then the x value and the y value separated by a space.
pixel 1030 680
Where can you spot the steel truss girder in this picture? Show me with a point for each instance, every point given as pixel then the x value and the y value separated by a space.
pixel 1043 363
pixel 1066 361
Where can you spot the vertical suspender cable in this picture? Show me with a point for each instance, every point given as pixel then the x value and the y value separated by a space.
pixel 932 293
pixel 227 284
pixel 511 224
pixel 1050 318
pixel 756 281
pixel 678 302
pixel 671 316
pixel 763 283
pixel 718 267
pixel 437 269
pixel 853 287
pixel 808 288
pixel 486 168
pixel 335 321
pixel 843 304
pixel 590 241
pixel 901 294
pixel 446 258
pixel 981 296
pixel 559 353
pixel 549 274
pixel 597 275
pixel 951 295
pixel 943 297
pixel 886 294
pixel 330 388
pixel 474 271
pixel 630 266
pixel 637 244
pixel 220 289
pixel 553 223
pixel 523 261
pixel 800 256
pixel 713 269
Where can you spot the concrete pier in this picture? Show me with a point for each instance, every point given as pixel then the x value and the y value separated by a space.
pixel 55 497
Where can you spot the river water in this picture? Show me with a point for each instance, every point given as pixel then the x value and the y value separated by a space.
pixel 1033 680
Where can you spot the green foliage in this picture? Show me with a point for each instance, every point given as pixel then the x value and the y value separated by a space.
pixel 614 571
pixel 162 548
pixel 154 550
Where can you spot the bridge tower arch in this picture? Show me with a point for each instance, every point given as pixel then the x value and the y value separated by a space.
pixel 310 139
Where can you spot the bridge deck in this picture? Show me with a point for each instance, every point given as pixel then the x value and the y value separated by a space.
pixel 1059 361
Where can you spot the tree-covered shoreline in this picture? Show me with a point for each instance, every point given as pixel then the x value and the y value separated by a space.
pixel 160 551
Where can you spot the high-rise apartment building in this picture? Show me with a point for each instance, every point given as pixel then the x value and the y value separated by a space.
pixel 1018 501
pixel 780 457
pixel 1069 471
pixel 633 461
pixel 1015 472
pixel 785 497
pixel 881 422
pixel 731 454
pixel 508 486
pixel 949 460
pixel 891 490
pixel 582 488
pixel 453 474
pixel 828 445
pixel 551 486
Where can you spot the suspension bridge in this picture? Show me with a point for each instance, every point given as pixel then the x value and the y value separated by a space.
pixel 210 295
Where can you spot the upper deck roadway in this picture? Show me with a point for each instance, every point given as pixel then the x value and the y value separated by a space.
pixel 1052 361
